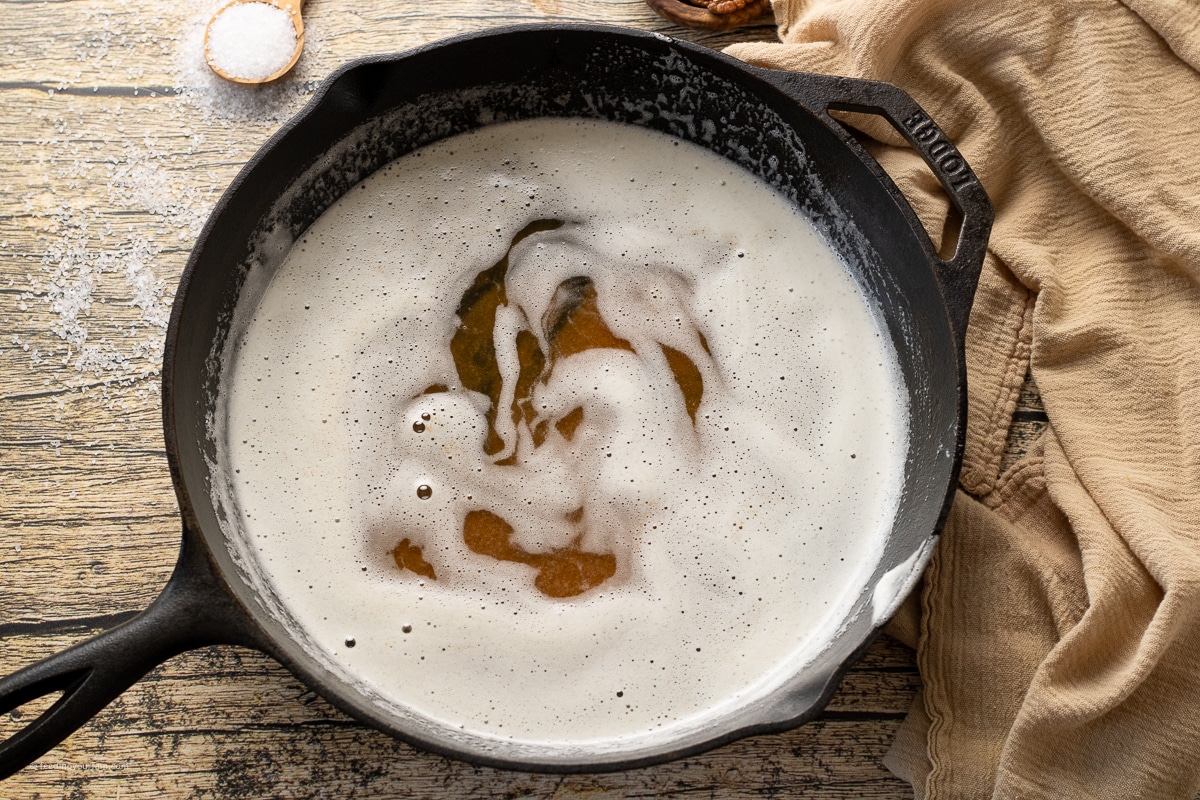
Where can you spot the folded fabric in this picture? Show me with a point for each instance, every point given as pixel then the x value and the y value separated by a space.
pixel 1059 634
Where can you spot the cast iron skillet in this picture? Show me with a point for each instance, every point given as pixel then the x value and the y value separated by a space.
pixel 775 124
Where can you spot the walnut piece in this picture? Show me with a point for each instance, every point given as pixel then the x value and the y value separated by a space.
pixel 713 15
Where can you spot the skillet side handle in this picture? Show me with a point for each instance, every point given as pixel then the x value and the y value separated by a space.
pixel 193 610
pixel 959 274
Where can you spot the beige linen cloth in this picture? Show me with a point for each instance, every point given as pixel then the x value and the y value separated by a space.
pixel 1058 634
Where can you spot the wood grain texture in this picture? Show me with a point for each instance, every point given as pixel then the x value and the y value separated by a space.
pixel 111 155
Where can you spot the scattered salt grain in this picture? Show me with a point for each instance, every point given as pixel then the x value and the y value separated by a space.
pixel 251 41
pixel 93 310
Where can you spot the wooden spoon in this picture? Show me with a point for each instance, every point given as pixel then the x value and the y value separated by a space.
pixel 292 7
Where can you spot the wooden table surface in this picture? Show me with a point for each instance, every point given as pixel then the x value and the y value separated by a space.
pixel 115 142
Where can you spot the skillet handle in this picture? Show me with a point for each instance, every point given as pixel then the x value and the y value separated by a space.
pixel 959 274
pixel 193 610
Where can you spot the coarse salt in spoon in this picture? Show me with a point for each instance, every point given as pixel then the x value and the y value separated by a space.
pixel 254 41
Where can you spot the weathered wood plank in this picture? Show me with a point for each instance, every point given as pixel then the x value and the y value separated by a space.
pixel 229 723
pixel 1027 425
pixel 97 43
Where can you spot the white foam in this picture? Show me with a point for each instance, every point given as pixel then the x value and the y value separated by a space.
pixel 741 538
